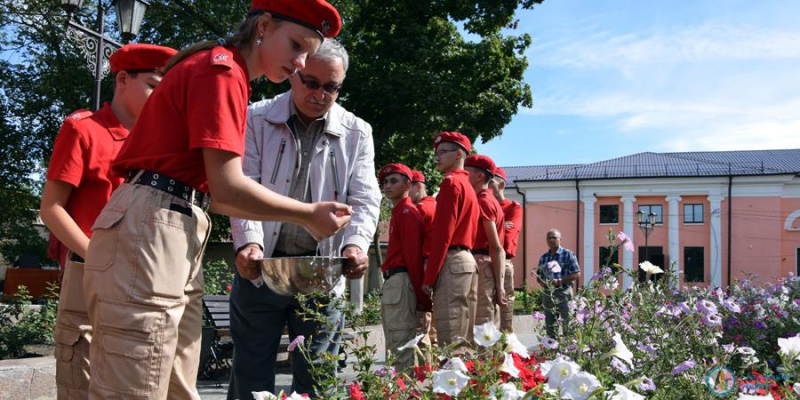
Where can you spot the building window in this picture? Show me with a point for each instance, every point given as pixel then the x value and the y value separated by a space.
pixel 692 213
pixel 605 262
pixel 693 264
pixel 656 208
pixel 609 214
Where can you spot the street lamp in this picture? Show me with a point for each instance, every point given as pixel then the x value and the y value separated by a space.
pixel 647 222
pixel 94 45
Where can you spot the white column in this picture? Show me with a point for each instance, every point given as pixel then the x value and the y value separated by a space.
pixel 715 204
pixel 674 211
pixel 628 222
pixel 588 239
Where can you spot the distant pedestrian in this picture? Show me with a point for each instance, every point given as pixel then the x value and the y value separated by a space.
pixel 557 269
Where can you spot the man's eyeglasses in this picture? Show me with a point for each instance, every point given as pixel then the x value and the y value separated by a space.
pixel 443 151
pixel 314 85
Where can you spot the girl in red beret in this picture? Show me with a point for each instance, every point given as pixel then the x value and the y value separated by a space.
pixel 143 280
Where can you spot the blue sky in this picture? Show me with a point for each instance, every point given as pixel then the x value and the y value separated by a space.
pixel 612 78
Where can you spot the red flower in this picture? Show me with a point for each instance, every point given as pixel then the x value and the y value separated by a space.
pixel 422 372
pixel 355 392
pixel 401 385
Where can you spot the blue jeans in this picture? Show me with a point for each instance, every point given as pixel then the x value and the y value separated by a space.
pixel 258 316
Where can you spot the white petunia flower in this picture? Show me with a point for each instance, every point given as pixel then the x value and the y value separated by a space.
pixel 411 343
pixel 743 396
pixel 449 382
pixel 650 268
pixel 579 386
pixel 513 345
pixel 506 391
pixel 487 334
pixel 622 393
pixel 621 351
pixel 509 367
pixel 796 387
pixel 558 370
pixel 297 396
pixel 264 396
pixel 790 347
pixel 456 364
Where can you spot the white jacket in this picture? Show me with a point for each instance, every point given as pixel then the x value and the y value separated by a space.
pixel 342 169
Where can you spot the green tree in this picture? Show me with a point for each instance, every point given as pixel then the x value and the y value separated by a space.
pixel 412 72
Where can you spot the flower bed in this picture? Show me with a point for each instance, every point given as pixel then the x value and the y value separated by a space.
pixel 649 341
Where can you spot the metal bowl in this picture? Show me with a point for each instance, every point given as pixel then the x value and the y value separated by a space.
pixel 292 275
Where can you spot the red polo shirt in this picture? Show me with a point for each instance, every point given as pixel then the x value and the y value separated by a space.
pixel 84 149
pixel 513 214
pixel 200 103
pixel 490 210
pixel 405 246
pixel 427 207
pixel 455 221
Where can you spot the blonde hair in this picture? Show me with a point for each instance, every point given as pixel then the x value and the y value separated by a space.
pixel 241 39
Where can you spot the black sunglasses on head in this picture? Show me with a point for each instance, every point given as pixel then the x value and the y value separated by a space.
pixel 314 85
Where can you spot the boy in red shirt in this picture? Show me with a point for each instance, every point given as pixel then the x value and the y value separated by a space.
pixel 402 270
pixel 427 207
pixel 78 186
pixel 451 274
pixel 513 216
pixel 488 250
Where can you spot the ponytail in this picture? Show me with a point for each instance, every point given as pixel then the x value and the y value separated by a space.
pixel 241 39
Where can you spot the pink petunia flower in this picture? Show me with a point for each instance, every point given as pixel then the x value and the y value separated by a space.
pixel 297 340
pixel 625 241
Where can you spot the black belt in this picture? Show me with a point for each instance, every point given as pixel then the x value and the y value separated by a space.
pixel 484 252
pixel 171 186
pixel 396 270
pixel 458 248
pixel 76 258
pixel 509 257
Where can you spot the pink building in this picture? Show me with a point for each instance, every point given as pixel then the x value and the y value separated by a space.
pixel 719 215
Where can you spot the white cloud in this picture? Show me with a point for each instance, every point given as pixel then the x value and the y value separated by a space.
pixel 707 42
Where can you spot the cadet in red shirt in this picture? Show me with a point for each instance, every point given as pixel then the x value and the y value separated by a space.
pixel 513 223
pixel 78 186
pixel 488 250
pixel 427 207
pixel 451 274
pixel 143 276
pixel 402 270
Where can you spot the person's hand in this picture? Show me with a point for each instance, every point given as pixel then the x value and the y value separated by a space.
pixel 246 261
pixel 327 218
pixel 427 290
pixel 501 297
pixel 357 262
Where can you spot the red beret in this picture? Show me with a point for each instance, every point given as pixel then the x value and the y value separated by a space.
pixel 417 176
pixel 140 57
pixel 453 137
pixel 500 173
pixel 315 14
pixel 395 168
pixel 480 161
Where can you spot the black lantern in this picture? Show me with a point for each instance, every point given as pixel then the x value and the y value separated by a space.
pixel 70 6
pixel 129 17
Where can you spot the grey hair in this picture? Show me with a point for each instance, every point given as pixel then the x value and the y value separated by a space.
pixel 331 49
pixel 554 230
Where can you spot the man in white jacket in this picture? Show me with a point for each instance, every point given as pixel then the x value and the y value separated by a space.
pixel 303 145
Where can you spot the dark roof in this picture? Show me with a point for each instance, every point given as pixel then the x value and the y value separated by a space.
pixel 661 165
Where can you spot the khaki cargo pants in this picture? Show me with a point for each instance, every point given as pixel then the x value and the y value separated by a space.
pixel 487 292
pixel 505 316
pixel 72 335
pixel 398 310
pixel 455 297
pixel 426 322
pixel 144 288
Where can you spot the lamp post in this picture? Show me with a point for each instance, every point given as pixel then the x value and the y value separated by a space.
pixel 647 222
pixel 94 45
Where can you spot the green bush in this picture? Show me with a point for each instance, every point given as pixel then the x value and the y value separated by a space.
pixel 372 308
pixel 218 277
pixel 21 325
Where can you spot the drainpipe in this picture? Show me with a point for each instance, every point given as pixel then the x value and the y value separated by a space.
pixel 578 222
pixel 730 228
pixel 524 239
